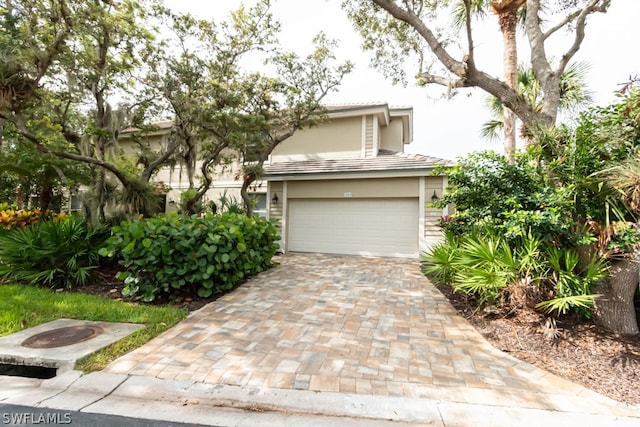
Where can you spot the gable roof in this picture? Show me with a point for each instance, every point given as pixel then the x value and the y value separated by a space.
pixel 382 110
pixel 385 161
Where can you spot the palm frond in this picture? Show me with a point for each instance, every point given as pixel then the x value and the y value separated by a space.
pixel 491 130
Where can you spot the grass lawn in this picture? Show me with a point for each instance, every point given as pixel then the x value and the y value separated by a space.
pixel 22 307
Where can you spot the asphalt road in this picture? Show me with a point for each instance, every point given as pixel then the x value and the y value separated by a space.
pixel 15 415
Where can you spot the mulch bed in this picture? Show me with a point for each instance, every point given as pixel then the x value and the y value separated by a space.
pixel 574 349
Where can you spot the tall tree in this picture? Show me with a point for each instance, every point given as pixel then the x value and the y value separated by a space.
pixel 61 66
pixel 397 29
pixel 574 95
pixel 225 111
pixel 507 11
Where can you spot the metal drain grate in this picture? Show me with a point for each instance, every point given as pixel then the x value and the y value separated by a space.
pixel 62 337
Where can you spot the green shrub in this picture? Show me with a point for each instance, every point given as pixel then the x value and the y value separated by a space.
pixel 208 255
pixel 492 268
pixel 571 282
pixel 485 267
pixel 438 261
pixel 507 199
pixel 53 252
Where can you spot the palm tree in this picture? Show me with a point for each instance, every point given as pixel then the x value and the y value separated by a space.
pixel 507 11
pixel 574 95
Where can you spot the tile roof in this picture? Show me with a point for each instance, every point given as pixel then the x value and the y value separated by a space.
pixel 363 105
pixel 153 127
pixel 386 160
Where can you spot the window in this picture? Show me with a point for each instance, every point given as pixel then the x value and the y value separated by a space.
pixel 259 202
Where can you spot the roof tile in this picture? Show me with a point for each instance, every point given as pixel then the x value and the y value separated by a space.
pixel 386 160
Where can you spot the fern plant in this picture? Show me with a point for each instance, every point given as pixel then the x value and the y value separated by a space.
pixel 54 253
pixel 486 266
pixel 438 261
pixel 572 287
pixel 482 264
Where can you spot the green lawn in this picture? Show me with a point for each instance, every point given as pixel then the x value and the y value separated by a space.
pixel 22 307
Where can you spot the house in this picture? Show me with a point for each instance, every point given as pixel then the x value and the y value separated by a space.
pixel 175 179
pixel 345 186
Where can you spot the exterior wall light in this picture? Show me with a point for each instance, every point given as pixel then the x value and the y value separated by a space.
pixel 435 197
pixel 274 199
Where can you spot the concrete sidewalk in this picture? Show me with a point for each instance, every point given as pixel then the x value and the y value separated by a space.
pixel 225 405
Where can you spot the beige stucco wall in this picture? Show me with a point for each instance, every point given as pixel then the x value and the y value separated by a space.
pixel 431 214
pixel 355 188
pixel 335 136
pixel 275 210
pixel 391 136
pixel 129 148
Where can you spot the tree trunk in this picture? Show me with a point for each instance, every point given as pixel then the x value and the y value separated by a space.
pixel 508 19
pixel 614 310
pixel 246 181
pixel 46 195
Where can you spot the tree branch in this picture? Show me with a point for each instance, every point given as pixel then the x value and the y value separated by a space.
pixel 22 130
pixel 148 171
pixel 428 78
pixel 569 18
pixel 456 67
pixel 539 60
pixel 580 24
pixel 470 47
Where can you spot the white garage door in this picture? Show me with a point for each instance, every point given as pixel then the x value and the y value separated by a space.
pixel 377 227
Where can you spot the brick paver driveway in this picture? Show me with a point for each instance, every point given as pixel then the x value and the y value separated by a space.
pixel 349 325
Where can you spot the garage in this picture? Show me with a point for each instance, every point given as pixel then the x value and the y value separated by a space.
pixel 376 227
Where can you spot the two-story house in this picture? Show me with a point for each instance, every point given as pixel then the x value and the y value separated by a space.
pixel 347 187
pixel 342 187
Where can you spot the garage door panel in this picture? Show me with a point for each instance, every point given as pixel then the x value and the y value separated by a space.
pixel 384 227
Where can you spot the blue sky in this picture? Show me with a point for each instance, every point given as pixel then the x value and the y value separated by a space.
pixel 444 128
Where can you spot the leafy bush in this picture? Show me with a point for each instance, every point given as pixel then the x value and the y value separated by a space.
pixel 572 284
pixel 506 199
pixel 438 262
pixel 52 252
pixel 484 265
pixel 576 189
pixel 208 255
pixel 496 270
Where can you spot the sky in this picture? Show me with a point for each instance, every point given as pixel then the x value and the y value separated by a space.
pixel 445 128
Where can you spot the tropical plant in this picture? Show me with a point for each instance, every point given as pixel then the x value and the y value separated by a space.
pixel 53 252
pixel 574 95
pixel 508 199
pixel 572 284
pixel 438 261
pixel 207 255
pixel 524 272
pixel 485 266
pixel 10 218
pixel 227 203
pixel 140 197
